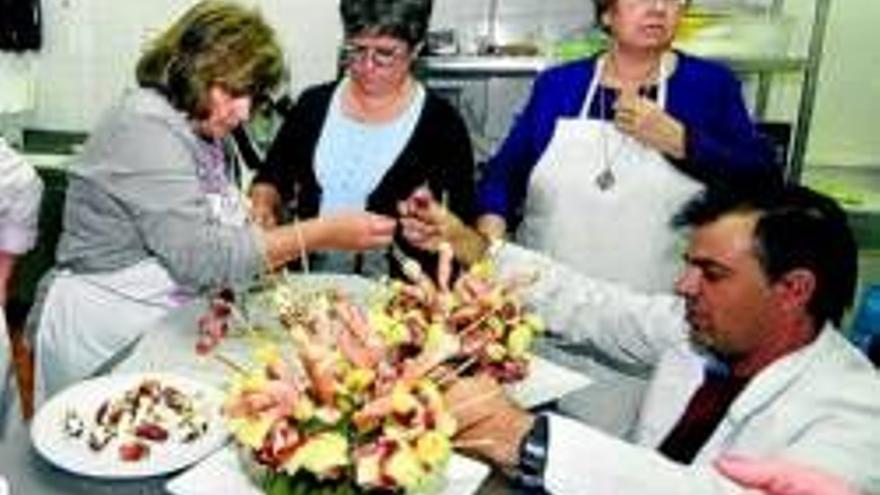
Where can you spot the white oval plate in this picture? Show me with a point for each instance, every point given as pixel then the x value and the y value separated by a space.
pixel 74 454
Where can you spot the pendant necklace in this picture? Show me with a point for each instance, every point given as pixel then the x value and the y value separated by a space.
pixel 605 179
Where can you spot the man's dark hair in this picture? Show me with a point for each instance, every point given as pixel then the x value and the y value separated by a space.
pixel 797 228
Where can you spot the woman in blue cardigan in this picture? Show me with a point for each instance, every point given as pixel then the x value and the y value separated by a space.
pixel 602 157
pixel 608 148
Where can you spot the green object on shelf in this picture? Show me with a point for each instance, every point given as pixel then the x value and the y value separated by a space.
pixel 594 42
pixel 839 192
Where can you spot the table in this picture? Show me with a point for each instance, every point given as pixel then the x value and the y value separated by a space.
pixel 169 347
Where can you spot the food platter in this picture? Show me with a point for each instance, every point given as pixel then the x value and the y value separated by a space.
pixel 71 430
pixel 222 472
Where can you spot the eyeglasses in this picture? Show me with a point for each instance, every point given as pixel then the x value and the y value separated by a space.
pixel 381 57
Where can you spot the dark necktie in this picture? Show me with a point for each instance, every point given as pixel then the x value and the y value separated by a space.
pixel 704 412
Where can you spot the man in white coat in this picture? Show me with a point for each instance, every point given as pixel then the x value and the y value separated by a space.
pixel 744 359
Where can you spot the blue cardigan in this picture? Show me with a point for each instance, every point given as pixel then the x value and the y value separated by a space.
pixel 722 144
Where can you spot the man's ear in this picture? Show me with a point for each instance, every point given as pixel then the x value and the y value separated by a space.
pixel 796 288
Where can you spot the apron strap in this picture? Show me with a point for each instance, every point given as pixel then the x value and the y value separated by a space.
pixel 666 63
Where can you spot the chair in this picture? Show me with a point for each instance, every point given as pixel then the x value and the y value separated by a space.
pixel 779 136
pixel 31 267
pixel 865 330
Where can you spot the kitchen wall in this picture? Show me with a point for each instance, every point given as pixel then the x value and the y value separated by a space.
pixel 91 46
pixel 847 113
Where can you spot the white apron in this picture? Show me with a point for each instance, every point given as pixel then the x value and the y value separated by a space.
pixel 619 233
pixel 87 319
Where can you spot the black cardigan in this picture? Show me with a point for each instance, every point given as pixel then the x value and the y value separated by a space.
pixel 438 154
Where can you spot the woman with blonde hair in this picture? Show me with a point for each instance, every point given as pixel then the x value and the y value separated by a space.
pixel 153 213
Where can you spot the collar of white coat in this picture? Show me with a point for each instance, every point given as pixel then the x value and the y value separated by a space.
pixel 788 370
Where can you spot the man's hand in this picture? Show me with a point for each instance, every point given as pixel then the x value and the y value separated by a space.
pixel 777 477
pixel 490 426
pixel 644 120
pixel 426 224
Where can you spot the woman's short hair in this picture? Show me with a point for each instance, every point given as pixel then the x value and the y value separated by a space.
pixel 214 42
pixel 406 20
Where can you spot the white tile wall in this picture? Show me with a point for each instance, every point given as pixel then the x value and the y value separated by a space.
pixel 91 47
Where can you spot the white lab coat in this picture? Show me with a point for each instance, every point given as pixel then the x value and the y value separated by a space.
pixel 819 406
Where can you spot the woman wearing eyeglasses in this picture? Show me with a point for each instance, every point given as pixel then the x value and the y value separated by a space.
pixel 370 139
pixel 608 148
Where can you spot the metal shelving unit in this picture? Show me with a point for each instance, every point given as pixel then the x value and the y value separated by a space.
pixel 808 65
pixel 821 10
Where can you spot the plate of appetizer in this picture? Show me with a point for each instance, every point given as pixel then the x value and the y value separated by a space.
pixel 223 472
pixel 130 426
pixel 546 382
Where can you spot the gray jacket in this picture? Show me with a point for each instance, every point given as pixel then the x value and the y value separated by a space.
pixel 134 193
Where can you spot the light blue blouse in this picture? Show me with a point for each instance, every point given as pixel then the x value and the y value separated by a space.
pixel 352 157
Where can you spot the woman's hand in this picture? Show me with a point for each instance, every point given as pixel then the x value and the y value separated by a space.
pixel 347 231
pixel 426 224
pixel 646 121
pixel 265 203
pixel 777 477
pixel 357 230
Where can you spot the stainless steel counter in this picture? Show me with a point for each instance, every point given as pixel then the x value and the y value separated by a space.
pixel 480 66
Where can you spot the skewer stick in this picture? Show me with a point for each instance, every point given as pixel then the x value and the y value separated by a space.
pixel 473 401
pixel 447 377
pixel 229 363
pixel 473 444
pixel 303 252
pixel 475 325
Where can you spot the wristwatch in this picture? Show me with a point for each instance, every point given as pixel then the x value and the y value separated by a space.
pixel 529 472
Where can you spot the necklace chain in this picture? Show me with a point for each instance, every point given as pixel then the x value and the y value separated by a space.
pixel 606 178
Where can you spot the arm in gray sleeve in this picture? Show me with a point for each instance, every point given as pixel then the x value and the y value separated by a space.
pixel 157 183
pixel 631 328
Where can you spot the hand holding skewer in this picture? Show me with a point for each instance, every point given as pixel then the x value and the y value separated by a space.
pixel 427 224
